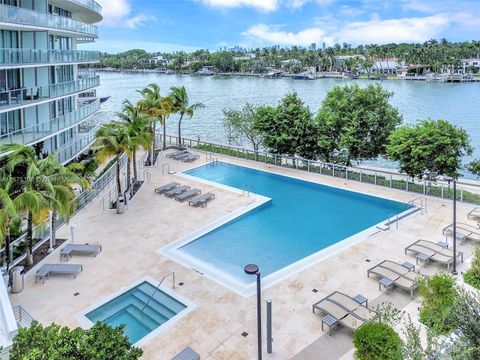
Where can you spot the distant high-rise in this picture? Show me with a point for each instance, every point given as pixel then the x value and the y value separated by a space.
pixel 323 46
pixel 313 46
pixel 40 79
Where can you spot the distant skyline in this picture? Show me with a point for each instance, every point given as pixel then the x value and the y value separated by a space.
pixel 175 25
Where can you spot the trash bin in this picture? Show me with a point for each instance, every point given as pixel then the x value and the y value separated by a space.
pixel 120 205
pixel 17 279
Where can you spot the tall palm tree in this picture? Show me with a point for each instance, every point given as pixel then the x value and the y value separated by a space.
pixel 138 130
pixel 112 140
pixel 181 105
pixel 157 108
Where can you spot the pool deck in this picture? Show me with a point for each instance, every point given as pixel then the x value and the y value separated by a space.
pixel 214 328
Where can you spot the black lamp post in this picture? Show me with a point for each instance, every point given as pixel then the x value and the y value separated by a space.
pixel 252 269
pixel 451 179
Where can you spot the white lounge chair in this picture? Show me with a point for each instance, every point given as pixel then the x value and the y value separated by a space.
pixel 474 213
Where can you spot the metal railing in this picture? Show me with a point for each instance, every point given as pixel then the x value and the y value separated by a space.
pixel 33 133
pixel 23 16
pixel 158 286
pixel 34 94
pixel 90 4
pixel 10 57
pixel 421 202
pixel 22 317
pixel 468 193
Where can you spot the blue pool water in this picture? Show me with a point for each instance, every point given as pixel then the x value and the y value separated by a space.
pixel 127 309
pixel 301 219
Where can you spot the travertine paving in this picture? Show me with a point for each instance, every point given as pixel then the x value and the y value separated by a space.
pixel 215 326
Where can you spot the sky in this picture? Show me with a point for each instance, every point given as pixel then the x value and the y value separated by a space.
pixel 188 25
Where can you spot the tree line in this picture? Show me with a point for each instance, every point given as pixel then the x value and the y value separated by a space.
pixel 433 55
pixel 353 124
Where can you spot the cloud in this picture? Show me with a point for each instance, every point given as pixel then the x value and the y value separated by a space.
pixel 262 5
pixel 116 46
pixel 118 13
pixel 375 31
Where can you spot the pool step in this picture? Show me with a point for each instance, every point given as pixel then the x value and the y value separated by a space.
pixel 144 317
pixel 155 304
pixel 162 298
pixel 150 311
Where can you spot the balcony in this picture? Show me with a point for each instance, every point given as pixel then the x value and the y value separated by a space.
pixel 16 15
pixel 90 4
pixel 19 57
pixel 41 131
pixel 36 94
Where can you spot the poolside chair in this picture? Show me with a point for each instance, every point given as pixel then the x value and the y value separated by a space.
pixel 165 188
pixel 464 231
pixel 177 191
pixel 187 195
pixel 53 269
pixel 201 200
pixel 176 153
pixel 190 158
pixel 405 279
pixel 84 249
pixel 182 156
pixel 187 354
pixel 344 309
pixel 434 252
pixel 474 213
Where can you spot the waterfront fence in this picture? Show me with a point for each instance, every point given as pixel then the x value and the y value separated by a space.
pixel 466 193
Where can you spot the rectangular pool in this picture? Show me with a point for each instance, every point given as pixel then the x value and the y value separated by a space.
pixel 301 219
pixel 131 308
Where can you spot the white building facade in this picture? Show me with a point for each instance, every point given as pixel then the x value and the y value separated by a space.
pixel 43 76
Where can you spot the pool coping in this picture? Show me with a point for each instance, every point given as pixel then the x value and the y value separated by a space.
pixel 172 252
pixel 86 323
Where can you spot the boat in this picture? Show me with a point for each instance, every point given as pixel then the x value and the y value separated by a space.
pixel 349 75
pixel 303 76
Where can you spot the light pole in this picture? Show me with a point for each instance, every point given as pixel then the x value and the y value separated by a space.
pixel 252 269
pixel 451 179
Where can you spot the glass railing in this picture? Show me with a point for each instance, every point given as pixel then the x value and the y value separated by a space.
pixel 82 74
pixel 91 4
pixel 36 132
pixel 16 15
pixel 35 56
pixel 81 141
pixel 37 93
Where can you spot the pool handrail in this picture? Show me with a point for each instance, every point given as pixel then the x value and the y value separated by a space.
pixel 158 286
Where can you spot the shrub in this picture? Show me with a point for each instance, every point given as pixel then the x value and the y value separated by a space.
pixel 472 275
pixel 377 341
pixel 55 342
pixel 439 294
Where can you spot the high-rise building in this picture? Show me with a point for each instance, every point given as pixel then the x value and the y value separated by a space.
pixel 313 46
pixel 46 87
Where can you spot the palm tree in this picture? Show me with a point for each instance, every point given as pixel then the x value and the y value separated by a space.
pixel 46 185
pixel 138 130
pixel 112 140
pixel 181 105
pixel 157 108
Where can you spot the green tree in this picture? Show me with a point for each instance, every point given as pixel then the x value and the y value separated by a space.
pixel 433 146
pixel 288 128
pixel 377 341
pixel 439 294
pixel 472 275
pixel 182 106
pixel 474 167
pixel 240 125
pixel 55 342
pixel 354 123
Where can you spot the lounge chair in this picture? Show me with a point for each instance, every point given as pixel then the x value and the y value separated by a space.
pixel 404 279
pixel 190 158
pixel 176 153
pixel 474 213
pixel 177 191
pixel 165 188
pixel 344 309
pixel 188 194
pixel 52 269
pixel 187 354
pixel 464 231
pixel 84 249
pixel 201 200
pixel 182 156
pixel 434 252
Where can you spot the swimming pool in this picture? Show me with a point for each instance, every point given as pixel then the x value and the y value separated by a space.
pixel 140 315
pixel 301 219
